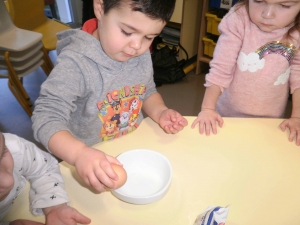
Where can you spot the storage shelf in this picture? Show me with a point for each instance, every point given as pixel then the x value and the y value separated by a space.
pixel 188 21
pixel 202 59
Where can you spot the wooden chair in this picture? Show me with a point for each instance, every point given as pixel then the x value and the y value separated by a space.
pixel 29 15
pixel 21 52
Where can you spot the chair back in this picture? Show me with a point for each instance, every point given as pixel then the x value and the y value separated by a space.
pixel 5 20
pixel 27 14
pixel 22 68
pixel 21 55
pixel 21 51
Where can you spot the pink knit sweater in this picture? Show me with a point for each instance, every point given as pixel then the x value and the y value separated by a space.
pixel 251 87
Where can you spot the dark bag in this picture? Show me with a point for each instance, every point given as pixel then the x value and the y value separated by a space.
pixel 166 68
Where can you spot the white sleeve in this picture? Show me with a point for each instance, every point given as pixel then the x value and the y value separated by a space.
pixel 46 183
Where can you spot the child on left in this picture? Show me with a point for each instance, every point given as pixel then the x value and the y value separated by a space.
pixel 21 160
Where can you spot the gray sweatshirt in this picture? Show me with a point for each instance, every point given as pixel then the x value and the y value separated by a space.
pixel 89 94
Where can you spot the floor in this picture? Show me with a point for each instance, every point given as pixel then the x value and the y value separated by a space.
pixel 185 97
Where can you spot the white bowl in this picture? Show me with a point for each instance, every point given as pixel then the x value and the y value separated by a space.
pixel 149 176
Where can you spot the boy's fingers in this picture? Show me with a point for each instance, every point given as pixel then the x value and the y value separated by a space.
pixel 174 117
pixel 111 159
pixel 173 130
pixel 177 127
pixel 95 183
pixel 106 178
pixel 183 122
pixel 167 129
pixel 109 173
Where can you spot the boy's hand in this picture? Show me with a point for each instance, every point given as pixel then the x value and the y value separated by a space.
pixel 25 222
pixel 64 215
pixel 208 120
pixel 94 167
pixel 171 121
pixel 294 126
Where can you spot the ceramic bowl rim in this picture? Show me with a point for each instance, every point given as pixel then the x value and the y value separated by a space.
pixel 147 198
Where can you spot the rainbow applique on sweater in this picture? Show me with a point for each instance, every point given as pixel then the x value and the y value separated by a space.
pixel 276 47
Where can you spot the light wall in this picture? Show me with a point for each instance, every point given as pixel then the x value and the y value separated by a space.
pixel 77 11
pixel 70 12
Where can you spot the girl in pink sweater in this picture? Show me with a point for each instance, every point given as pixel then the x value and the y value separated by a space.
pixel 256 63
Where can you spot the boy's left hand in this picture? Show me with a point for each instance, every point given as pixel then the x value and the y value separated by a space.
pixel 171 121
pixel 64 215
pixel 294 126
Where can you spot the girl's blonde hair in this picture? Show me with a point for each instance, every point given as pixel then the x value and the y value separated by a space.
pixel 288 35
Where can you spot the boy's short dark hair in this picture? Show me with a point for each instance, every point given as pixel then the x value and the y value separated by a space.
pixel 155 9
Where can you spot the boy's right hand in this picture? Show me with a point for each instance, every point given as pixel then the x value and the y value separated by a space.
pixel 208 120
pixel 94 167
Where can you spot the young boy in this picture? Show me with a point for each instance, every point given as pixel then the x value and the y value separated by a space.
pixel 21 160
pixel 103 77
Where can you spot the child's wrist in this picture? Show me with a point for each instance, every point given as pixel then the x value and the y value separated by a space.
pixel 161 113
pixel 295 117
pixel 47 210
pixel 208 109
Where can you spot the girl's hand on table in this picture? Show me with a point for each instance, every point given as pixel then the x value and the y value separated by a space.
pixel 294 126
pixel 25 222
pixel 64 215
pixel 94 167
pixel 208 120
pixel 171 121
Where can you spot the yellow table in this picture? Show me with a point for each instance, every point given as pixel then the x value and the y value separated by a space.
pixel 249 165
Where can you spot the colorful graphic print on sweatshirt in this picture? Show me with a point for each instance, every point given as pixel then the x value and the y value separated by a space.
pixel 120 111
pixel 254 60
